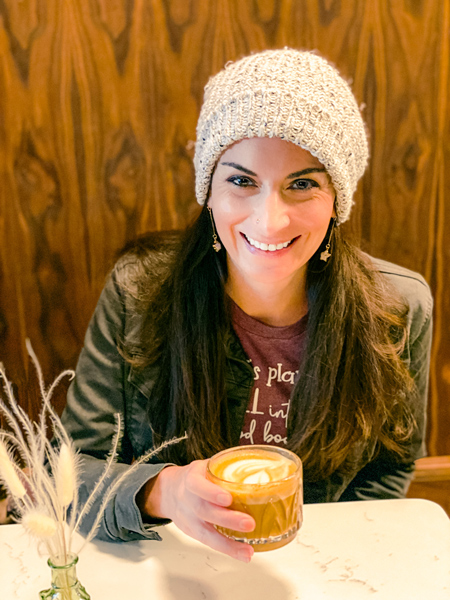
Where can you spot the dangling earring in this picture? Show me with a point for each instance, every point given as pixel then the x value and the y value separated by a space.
pixel 325 255
pixel 216 244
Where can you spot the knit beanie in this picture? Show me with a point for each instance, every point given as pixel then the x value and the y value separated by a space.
pixel 290 94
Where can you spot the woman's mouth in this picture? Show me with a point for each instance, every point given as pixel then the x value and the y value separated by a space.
pixel 269 247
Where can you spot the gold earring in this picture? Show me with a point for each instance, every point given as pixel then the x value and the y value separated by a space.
pixel 216 244
pixel 325 255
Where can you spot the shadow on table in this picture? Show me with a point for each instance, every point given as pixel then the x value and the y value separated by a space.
pixel 221 576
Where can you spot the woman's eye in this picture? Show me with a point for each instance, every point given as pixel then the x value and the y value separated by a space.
pixel 303 185
pixel 241 181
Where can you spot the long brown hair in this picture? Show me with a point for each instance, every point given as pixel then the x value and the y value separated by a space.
pixel 352 385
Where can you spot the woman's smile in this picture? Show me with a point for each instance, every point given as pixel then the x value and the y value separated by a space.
pixel 271 247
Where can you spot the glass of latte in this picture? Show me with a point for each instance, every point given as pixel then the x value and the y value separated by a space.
pixel 266 483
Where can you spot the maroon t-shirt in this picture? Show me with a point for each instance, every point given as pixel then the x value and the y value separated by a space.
pixel 274 353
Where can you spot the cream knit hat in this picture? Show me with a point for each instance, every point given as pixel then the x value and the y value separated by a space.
pixel 294 95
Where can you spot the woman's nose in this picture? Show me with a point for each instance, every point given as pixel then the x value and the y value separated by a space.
pixel 273 214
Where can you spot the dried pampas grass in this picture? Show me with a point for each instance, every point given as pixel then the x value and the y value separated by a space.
pixel 9 473
pixel 39 525
pixel 45 490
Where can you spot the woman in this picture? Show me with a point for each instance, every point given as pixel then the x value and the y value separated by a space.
pixel 261 324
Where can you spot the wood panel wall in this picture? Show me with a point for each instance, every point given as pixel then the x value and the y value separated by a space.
pixel 98 107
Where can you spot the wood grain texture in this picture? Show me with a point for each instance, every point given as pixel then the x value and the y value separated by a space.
pixel 98 108
pixel 432 468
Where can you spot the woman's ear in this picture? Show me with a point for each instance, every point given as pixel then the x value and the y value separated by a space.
pixel 333 214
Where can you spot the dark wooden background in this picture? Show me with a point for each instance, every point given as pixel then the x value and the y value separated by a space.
pixel 98 107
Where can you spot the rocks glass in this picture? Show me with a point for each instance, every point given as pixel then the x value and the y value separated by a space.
pixel 266 483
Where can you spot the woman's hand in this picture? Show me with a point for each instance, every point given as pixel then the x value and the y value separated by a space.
pixel 195 504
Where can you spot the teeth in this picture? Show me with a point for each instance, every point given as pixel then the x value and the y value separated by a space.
pixel 269 247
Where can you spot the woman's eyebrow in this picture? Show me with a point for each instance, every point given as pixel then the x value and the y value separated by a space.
pixel 239 167
pixel 306 172
pixel 291 176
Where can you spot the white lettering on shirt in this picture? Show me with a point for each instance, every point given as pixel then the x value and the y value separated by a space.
pixel 249 434
pixel 255 410
pixel 269 438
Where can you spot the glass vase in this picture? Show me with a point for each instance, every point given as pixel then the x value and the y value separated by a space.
pixel 65 584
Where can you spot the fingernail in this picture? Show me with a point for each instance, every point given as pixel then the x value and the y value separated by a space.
pixel 244 556
pixel 223 499
pixel 246 524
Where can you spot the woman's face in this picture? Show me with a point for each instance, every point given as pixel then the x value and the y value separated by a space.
pixel 272 203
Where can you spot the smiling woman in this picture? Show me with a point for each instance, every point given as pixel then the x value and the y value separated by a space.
pixel 260 324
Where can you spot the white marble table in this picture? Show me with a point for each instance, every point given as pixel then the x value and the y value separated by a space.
pixel 388 549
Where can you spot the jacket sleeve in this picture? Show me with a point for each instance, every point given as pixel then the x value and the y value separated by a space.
pixel 94 397
pixel 386 477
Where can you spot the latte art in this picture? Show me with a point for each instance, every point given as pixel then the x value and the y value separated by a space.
pixel 256 471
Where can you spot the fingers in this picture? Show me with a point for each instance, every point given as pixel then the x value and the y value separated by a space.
pixel 213 499
pixel 205 489
pixel 224 517
pixel 207 534
pixel 215 540
pixel 195 505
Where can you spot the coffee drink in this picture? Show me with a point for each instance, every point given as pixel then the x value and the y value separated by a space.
pixel 266 483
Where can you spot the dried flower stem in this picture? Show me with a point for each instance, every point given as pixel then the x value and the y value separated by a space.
pixel 114 486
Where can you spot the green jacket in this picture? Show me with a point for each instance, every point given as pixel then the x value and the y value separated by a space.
pixel 106 384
